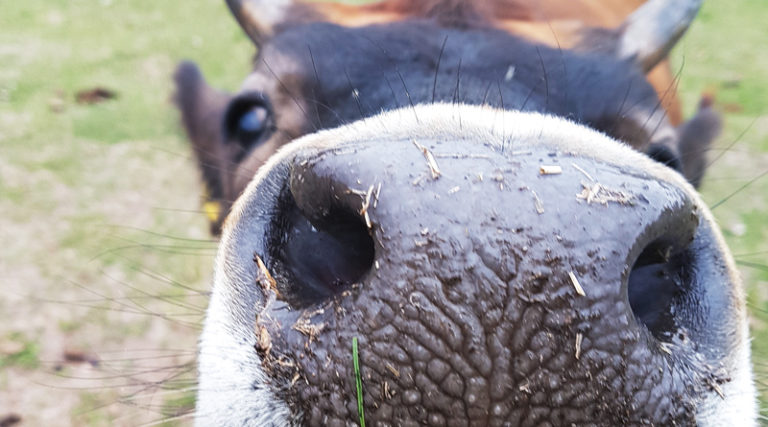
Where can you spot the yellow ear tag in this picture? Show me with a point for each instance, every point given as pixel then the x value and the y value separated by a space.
pixel 212 210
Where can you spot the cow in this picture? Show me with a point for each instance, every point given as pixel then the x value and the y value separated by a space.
pixel 463 213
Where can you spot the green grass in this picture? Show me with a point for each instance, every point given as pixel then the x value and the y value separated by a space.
pixel 81 185
pixel 358 383
pixel 94 196
pixel 25 356
pixel 723 53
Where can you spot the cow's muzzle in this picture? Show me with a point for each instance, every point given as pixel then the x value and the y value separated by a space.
pixel 516 281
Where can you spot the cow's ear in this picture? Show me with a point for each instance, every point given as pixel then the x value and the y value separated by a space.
pixel 261 18
pixel 650 32
pixel 695 138
pixel 639 31
pixel 202 111
pixel 686 152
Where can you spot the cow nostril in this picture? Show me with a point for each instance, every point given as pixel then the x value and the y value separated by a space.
pixel 319 258
pixel 660 284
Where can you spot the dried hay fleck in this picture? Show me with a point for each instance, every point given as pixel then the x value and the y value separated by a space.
pixel 550 170
pixel 598 193
pixel 579 339
pixel 392 369
pixel 433 168
pixel 366 205
pixel 578 168
pixel 576 284
pixel 537 203
pixel 264 278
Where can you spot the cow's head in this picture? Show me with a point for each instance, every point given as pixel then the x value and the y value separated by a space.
pixel 500 224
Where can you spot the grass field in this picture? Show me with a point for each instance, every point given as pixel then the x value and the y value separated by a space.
pixel 104 255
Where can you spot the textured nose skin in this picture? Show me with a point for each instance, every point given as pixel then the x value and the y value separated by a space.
pixel 553 278
pixel 495 292
pixel 498 291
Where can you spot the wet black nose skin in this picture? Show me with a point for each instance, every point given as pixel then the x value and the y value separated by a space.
pixel 484 287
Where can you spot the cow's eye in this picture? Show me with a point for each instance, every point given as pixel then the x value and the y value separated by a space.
pixel 248 120
pixel 252 124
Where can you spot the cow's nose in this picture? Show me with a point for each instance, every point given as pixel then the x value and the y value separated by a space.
pixel 488 278
pixel 609 232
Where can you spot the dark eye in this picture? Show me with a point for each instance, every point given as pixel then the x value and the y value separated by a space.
pixel 248 120
pixel 252 124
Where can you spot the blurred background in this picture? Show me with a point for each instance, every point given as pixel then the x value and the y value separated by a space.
pixel 105 257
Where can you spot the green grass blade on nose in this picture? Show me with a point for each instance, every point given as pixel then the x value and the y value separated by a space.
pixel 358 382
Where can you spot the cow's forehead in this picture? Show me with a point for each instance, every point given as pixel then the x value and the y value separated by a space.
pixel 352 73
pixel 331 56
pixel 328 59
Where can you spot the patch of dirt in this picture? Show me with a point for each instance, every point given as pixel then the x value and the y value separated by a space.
pixel 95 95
pixel 82 273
